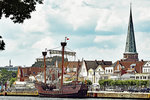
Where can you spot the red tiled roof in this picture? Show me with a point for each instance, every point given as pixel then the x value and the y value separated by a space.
pixel 127 65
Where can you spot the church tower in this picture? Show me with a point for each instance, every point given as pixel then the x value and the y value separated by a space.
pixel 130 49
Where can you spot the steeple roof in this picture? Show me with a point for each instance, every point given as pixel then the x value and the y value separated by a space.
pixel 130 41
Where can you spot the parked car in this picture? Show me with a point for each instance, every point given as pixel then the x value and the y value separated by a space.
pixel 145 90
pixel 133 90
pixel 119 90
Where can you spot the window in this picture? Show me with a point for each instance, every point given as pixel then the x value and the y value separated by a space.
pixel 111 70
pixel 144 77
pixel 99 71
pixel 33 72
pixel 137 77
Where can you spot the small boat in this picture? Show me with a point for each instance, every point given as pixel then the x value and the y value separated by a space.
pixel 74 89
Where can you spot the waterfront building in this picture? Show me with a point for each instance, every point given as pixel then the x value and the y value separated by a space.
pixel 141 76
pixel 93 70
pixel 50 61
pixel 146 67
pixel 24 72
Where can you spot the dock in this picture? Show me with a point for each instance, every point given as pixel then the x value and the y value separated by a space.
pixel 92 94
pixel 111 94
pixel 34 93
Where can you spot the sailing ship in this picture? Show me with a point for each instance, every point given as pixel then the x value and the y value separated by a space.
pixel 74 89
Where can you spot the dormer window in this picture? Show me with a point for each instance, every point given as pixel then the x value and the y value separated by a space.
pixel 132 66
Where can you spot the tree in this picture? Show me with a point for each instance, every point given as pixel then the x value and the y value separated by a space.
pixel 2 44
pixel 12 80
pixel 6 75
pixel 88 82
pixel 18 10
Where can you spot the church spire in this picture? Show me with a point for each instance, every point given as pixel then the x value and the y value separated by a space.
pixel 130 42
pixel 130 49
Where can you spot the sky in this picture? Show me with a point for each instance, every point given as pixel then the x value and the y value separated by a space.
pixel 97 30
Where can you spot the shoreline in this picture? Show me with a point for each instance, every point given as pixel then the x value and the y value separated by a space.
pixel 91 94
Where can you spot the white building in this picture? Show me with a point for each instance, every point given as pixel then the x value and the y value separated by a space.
pixel 146 67
pixel 93 70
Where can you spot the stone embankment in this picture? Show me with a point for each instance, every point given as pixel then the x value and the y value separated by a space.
pixel 106 94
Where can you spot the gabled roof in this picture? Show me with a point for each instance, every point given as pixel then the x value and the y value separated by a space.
pixel 114 64
pixel 145 64
pixel 127 65
pixel 94 64
pixel 104 66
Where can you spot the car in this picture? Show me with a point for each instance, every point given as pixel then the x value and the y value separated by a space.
pixel 133 90
pixel 145 90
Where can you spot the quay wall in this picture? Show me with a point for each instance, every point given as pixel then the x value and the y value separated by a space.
pixel 104 94
pixel 34 93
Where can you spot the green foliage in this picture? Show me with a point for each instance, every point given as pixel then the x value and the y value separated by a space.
pixel 2 44
pixel 88 82
pixel 69 79
pixel 123 83
pixel 12 80
pixel 107 82
pixel 6 76
pixel 18 10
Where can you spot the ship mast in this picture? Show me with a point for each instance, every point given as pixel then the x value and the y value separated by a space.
pixel 63 44
pixel 44 55
pixel 78 69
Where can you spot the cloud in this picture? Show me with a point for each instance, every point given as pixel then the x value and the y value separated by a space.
pixel 11 45
pixel 142 45
pixel 108 20
pixel 38 21
pixel 105 38
pixel 92 53
pixel 46 42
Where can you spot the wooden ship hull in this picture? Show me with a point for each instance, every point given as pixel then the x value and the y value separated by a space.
pixel 67 91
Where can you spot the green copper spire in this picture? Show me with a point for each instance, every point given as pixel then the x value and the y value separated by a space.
pixel 130 49
pixel 130 41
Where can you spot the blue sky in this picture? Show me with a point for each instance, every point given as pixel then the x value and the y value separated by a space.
pixel 97 29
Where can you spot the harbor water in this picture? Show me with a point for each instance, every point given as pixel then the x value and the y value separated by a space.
pixel 41 98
